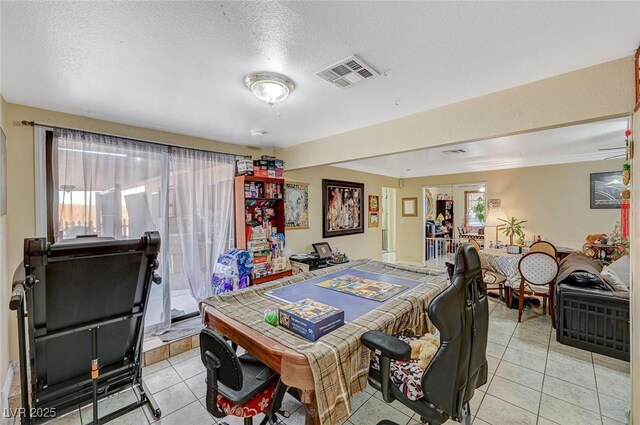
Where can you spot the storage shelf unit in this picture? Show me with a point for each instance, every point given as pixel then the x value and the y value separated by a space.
pixel 269 194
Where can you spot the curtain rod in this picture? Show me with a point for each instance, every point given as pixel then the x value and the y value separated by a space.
pixel 152 142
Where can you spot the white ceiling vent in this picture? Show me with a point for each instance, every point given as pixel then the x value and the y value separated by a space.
pixel 454 151
pixel 347 72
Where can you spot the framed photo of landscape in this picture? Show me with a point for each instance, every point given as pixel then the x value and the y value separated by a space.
pixel 606 190
pixel 296 205
pixel 342 208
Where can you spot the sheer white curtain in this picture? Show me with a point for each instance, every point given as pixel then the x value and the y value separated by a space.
pixel 203 184
pixel 114 187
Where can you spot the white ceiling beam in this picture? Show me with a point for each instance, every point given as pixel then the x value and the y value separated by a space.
pixel 598 92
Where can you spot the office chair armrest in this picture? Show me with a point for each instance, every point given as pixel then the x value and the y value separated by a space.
pixel 388 345
pixel 390 348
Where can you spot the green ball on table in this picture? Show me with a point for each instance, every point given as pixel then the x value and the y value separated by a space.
pixel 271 317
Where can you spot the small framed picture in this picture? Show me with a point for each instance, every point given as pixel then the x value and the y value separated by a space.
pixel 323 249
pixel 373 219
pixel 409 207
pixel 374 202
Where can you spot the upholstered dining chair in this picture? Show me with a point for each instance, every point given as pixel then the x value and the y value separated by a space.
pixel 475 244
pixel 538 271
pixel 489 277
pixel 544 246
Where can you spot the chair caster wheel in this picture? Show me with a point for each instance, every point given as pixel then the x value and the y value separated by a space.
pixel 423 420
pixel 284 414
pixel 157 413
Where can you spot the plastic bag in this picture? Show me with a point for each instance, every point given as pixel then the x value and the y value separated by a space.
pixel 232 271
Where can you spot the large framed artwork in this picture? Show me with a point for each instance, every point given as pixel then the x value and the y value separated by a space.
pixel 606 190
pixel 296 205
pixel 342 208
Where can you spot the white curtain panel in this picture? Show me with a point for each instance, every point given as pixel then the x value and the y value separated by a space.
pixel 203 183
pixel 113 187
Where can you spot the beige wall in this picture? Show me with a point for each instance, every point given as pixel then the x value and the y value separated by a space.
pixel 5 288
pixel 635 271
pixel 21 181
pixel 365 245
pixel 554 199
pixel 589 94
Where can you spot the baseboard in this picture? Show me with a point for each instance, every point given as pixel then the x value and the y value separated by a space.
pixel 4 395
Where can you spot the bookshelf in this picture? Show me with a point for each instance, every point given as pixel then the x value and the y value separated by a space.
pixel 259 219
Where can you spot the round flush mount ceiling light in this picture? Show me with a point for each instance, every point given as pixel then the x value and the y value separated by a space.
pixel 269 86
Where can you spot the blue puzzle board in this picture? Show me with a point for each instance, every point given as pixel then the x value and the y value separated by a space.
pixel 352 305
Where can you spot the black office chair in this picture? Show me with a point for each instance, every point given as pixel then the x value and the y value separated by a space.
pixel 239 385
pixel 461 314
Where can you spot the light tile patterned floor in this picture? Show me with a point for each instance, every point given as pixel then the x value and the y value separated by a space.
pixel 533 380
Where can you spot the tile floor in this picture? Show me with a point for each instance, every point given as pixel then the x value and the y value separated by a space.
pixel 533 380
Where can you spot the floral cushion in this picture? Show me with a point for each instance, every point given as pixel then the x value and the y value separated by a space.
pixel 258 404
pixel 407 376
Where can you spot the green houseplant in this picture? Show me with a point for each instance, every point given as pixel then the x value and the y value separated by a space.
pixel 479 210
pixel 512 228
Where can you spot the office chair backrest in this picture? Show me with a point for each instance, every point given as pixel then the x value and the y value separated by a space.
pixel 461 314
pixel 230 372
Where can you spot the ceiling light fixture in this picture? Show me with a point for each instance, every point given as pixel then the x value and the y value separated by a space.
pixel 269 86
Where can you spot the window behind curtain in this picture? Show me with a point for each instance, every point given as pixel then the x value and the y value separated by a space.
pixel 117 187
pixel 104 185
pixel 472 199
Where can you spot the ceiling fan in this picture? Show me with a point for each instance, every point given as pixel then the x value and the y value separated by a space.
pixel 628 148
pixel 624 154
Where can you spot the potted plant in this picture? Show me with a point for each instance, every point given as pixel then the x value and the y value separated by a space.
pixel 512 228
pixel 479 210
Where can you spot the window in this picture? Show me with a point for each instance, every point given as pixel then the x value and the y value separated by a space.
pixel 120 188
pixel 474 205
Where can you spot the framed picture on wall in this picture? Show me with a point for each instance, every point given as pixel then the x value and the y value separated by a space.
pixel 374 219
pixel 409 207
pixel 342 208
pixel 374 203
pixel 606 190
pixel 296 205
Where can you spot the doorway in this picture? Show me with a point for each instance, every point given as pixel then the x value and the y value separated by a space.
pixel 388 210
pixel 452 213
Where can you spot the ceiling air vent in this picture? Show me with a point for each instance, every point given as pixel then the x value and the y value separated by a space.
pixel 454 151
pixel 347 72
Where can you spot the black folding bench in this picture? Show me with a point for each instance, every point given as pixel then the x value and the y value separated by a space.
pixel 84 302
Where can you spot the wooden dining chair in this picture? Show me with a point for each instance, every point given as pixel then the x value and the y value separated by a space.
pixel 538 271
pixel 489 277
pixel 544 246
pixel 475 244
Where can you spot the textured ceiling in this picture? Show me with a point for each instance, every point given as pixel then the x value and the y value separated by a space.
pixel 557 146
pixel 179 66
